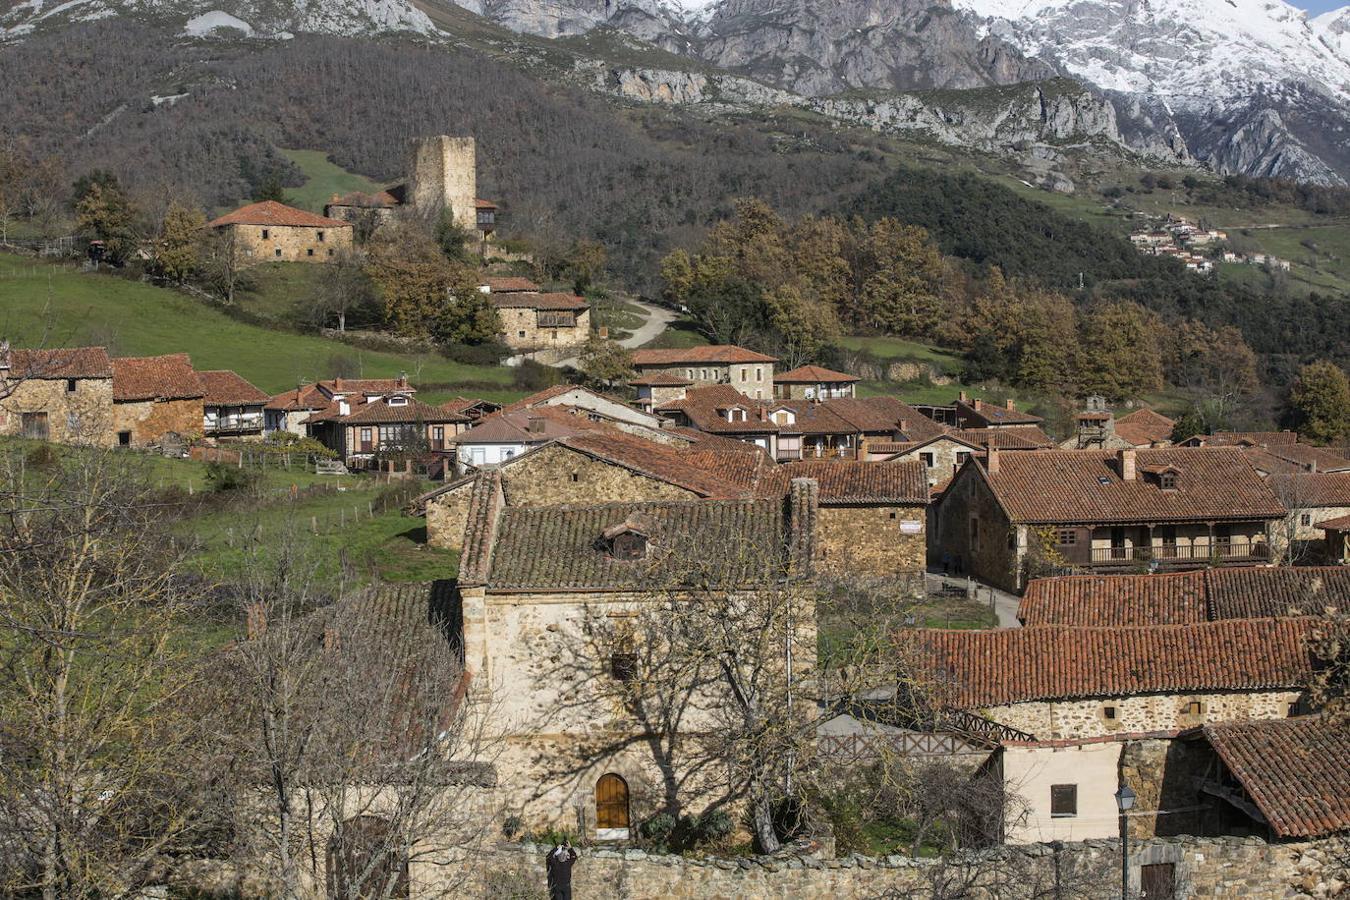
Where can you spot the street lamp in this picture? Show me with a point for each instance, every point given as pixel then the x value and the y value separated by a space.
pixel 1125 801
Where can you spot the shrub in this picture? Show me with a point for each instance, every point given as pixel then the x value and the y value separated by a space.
pixel 534 376
pixel 489 354
pixel 512 827
pixel 223 477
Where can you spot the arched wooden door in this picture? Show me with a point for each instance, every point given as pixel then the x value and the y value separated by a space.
pixel 363 864
pixel 611 803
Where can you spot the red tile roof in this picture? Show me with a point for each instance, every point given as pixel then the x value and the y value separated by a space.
pixel 225 388
pixel 472 408
pixel 995 414
pixel 526 300
pixel 813 375
pixel 1297 458
pixel 655 461
pixel 168 377
pixel 1016 437
pixel 719 354
pixel 484 204
pixel 304 397
pixel 376 200
pixel 506 284
pixel 382 412
pixel 846 482
pixel 68 362
pixel 1144 427
pixel 1241 438
pixel 1296 771
pixel 513 426
pixel 1241 592
pixel 1085 486
pixel 1312 489
pixel 977 669
pixel 1342 523
pixel 270 212
pixel 659 379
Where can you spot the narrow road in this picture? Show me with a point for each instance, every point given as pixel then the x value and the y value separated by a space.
pixel 658 319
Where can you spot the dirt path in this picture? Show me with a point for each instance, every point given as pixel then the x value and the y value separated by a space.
pixel 658 319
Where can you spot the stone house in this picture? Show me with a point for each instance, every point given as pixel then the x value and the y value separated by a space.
pixel 274 232
pixel 1056 682
pixel 155 397
pixel 538 321
pixel 508 284
pixel 61 395
pixel 813 383
pixel 1336 544
pixel 976 413
pixel 598 407
pixel 1145 428
pixel 364 430
pixel 1184 598
pixel 499 438
pixel 289 410
pixel 531 580
pixel 1006 516
pixel 940 456
pixel 659 389
pixel 598 466
pixel 232 408
pixel 745 371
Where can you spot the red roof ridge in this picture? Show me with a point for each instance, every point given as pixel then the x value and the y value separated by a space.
pixel 270 212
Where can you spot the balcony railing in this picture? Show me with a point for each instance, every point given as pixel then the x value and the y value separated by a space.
pixel 233 424
pixel 1222 551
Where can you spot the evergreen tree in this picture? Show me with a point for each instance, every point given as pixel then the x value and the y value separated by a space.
pixel 1321 402
pixel 180 242
pixel 106 214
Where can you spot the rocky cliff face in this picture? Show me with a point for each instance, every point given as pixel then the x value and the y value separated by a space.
pixel 818 48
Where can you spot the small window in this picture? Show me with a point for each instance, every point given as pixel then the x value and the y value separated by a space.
pixel 266 234
pixel 1110 713
pixel 309 251
pixel 71 385
pixel 892 515
pixel 962 456
pixel 1168 480
pixel 320 236
pixel 759 374
pixel 1305 519
pixel 277 252
pixel 1066 537
pixel 1195 708
pixel 575 477
pixel 623 666
pixel 520 334
pixel 330 251
pixel 927 459
pixel 1063 800
pixel 124 438
pixel 743 375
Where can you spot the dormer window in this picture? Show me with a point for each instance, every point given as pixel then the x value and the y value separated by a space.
pixel 398 401
pixel 629 540
pixel 1168 481
pixel 629 546
pixel 736 414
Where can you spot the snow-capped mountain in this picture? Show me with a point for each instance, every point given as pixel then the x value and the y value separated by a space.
pixel 259 18
pixel 1333 28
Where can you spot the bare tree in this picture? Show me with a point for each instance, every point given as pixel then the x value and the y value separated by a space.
pixel 95 783
pixel 224 268
pixel 344 289
pixel 1294 542
pixel 361 760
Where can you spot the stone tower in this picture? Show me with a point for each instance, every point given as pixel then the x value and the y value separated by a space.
pixel 443 176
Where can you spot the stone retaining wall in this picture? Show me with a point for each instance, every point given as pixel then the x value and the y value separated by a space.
pixel 1204 867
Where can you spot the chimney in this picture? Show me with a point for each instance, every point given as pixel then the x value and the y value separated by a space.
pixel 991 463
pixel 535 424
pixel 803 501
pixel 961 396
pixel 402 379
pixel 4 357
pixel 904 427
pixel 1127 464
pixel 1012 407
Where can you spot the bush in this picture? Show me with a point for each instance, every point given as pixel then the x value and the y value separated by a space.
pixel 713 825
pixel 658 831
pixel 535 376
pixel 223 477
pixel 512 827
pixel 476 354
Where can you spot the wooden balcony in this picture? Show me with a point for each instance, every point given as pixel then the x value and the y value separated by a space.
pixel 1184 555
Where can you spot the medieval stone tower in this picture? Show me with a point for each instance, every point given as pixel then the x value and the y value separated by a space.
pixel 443 176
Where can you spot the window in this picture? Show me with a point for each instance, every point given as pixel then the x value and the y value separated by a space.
pixel 124 438
pixel 277 252
pixel 575 477
pixel 962 456
pixel 1168 480
pixel 1066 537
pixel 398 401
pixel 320 236
pixel 1305 519
pixel 309 251
pixel 520 334
pixel 1110 713
pixel 1195 708
pixel 438 436
pixel 892 515
pixel 1063 800
pixel 266 234
pixel 689 373
pixel 330 251
pixel 974 532
pixel 623 666
pixel 759 374
pixel 744 372
pixel 71 384
pixel 927 460
pixel 367 435
pixel 629 546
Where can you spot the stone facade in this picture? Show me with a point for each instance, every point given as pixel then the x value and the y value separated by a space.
pixel 141 423
pixel 941 458
pixel 754 380
pixel 290 243
pixel 973 529
pixel 553 475
pixel 1072 719
pixel 1203 867
pixel 78 410
pixel 443 175
pixel 872 540
pixel 521 329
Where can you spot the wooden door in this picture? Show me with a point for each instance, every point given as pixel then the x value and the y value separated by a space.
pixel 1158 881
pixel 611 802
pixel 35 426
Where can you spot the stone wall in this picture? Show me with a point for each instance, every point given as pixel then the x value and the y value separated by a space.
pixel 981 550
pixel 521 330
pixel 149 420
pixel 288 243
pixel 1071 719
pixel 80 416
pixel 443 175
pixel 944 455
pixel 872 540
pixel 1090 870
pixel 755 380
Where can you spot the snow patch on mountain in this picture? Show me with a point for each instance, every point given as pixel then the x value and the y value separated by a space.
pixel 200 26
pixel 349 17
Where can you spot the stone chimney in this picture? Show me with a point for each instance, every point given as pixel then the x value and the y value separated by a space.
pixel 402 381
pixel 1128 468
pixel 1012 407
pixel 962 396
pixel 991 464
pixel 803 501
pixel 535 424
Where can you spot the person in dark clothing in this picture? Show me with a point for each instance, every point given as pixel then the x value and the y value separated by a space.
pixel 559 865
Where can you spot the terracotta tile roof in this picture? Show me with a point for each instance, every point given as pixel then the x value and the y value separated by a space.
pixel 68 362
pixel 852 481
pixel 1305 457
pixel 225 388
pixel 1085 486
pixel 514 426
pixel 270 212
pixel 305 397
pixel 1144 427
pixel 541 398
pixel 655 461
pixel 1240 438
pixel 155 378
pixel 813 375
pixel 557 549
pixel 376 200
pixel 507 284
pixel 484 204
pixel 1241 592
pixel 718 353
pixel 381 412
pixel 660 379
pixel 348 386
pixel 1294 770
pixel 470 408
pixel 750 468
pixel 880 414
pixel 996 414
pixel 977 669
pixel 1342 523
pixel 1017 437
pixel 1312 489
pixel 524 300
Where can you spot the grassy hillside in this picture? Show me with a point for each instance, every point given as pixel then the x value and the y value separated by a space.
pixel 55 305
pixel 323 179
